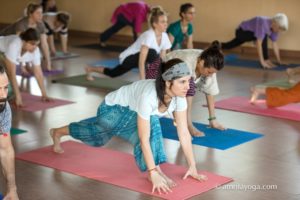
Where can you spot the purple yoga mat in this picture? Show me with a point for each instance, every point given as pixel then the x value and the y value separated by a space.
pixel 46 73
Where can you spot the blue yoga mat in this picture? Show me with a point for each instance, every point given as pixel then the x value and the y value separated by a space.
pixel 109 63
pixel 213 138
pixel 234 60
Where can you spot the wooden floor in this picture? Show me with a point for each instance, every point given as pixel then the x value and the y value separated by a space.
pixel 272 160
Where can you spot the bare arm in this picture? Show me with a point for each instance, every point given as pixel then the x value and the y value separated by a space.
pixel 190 42
pixel 45 49
pixel 163 54
pixel 50 39
pixel 142 61
pixel 261 57
pixel 7 156
pixel 276 52
pixel 158 181
pixel 211 110
pixel 171 38
pixel 11 71
pixel 40 79
pixel 260 52
pixel 185 137
pixel 64 42
pixel 144 136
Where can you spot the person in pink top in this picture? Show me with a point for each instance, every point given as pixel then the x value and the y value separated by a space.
pixel 129 14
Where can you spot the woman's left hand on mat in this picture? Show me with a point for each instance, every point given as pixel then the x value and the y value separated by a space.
pixel 192 171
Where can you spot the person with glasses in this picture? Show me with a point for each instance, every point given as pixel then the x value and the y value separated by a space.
pixel 181 32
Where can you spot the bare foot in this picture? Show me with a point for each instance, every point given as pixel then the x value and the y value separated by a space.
pixel 195 132
pixel 56 141
pixel 89 76
pixel 254 95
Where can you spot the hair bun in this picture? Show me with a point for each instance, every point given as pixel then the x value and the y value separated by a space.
pixel 216 45
pixel 156 9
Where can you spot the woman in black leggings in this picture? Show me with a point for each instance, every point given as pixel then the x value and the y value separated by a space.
pixel 259 29
pixel 146 50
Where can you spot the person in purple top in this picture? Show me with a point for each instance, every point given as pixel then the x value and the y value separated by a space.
pixel 259 29
pixel 129 14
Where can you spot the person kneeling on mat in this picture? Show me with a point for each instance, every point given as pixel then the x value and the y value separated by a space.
pixel 132 113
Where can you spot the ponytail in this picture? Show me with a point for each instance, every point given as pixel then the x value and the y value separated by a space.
pixel 213 56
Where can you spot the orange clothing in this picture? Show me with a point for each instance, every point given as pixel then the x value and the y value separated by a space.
pixel 276 97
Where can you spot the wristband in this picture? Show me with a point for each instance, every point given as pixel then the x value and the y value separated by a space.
pixel 211 118
pixel 153 169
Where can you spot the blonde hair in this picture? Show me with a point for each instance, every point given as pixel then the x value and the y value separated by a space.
pixel 31 8
pixel 155 13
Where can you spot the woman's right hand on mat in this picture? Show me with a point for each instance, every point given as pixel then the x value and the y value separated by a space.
pixel 267 65
pixel 192 171
pixel 46 99
pixel 159 183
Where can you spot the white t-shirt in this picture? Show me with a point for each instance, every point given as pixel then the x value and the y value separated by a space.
pixel 148 39
pixel 11 46
pixel 208 85
pixel 141 97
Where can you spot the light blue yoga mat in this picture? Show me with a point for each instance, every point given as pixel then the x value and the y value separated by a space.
pixel 213 138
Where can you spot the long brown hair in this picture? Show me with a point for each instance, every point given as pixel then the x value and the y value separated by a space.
pixel 160 84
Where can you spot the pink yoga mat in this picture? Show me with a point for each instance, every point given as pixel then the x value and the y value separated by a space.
pixel 242 104
pixel 33 103
pixel 119 169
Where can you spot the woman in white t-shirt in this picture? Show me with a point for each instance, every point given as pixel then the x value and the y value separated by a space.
pixel 132 113
pixel 203 65
pixel 23 50
pixel 151 45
